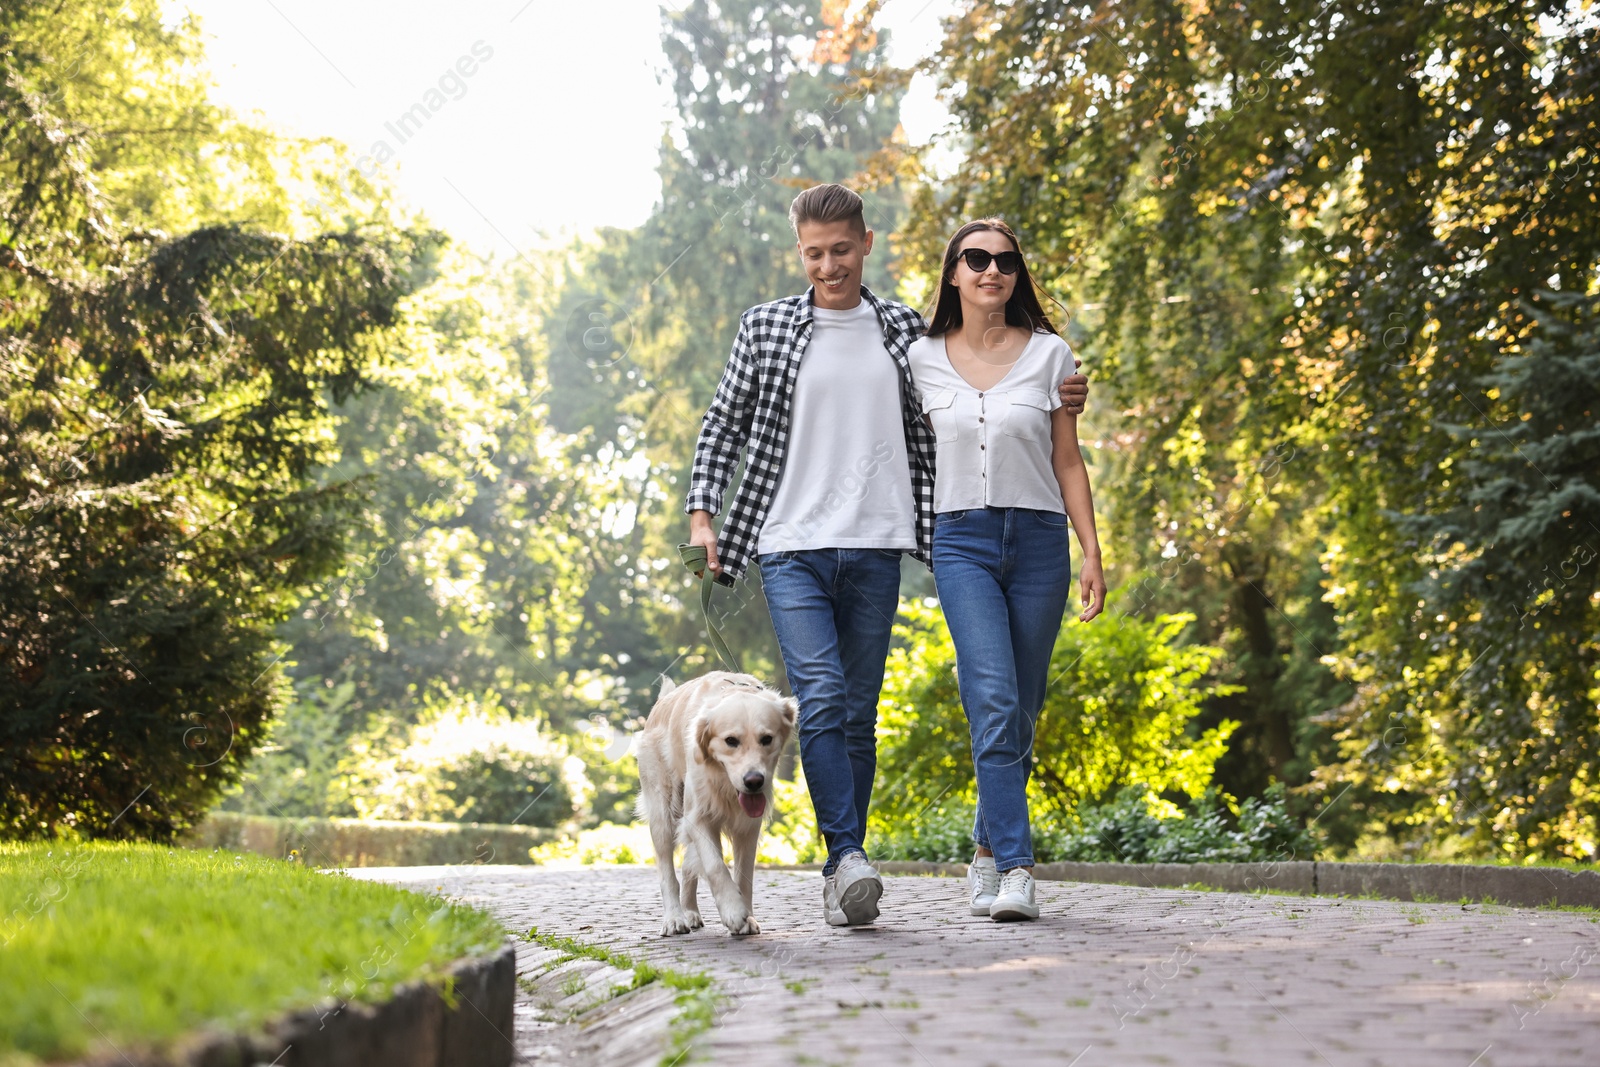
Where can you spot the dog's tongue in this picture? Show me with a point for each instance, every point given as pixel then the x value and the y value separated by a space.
pixel 754 804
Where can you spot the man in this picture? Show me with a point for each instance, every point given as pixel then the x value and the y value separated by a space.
pixel 838 483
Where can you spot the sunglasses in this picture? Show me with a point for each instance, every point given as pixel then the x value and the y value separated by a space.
pixel 979 260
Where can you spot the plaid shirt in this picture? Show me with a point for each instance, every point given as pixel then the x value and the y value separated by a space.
pixel 751 408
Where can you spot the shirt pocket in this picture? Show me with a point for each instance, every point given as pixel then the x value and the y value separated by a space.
pixel 1027 414
pixel 940 407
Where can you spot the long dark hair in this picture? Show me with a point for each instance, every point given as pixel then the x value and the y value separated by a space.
pixel 1023 309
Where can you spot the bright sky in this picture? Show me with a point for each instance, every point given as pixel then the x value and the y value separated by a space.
pixel 552 113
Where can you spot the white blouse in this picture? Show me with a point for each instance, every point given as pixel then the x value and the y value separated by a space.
pixel 994 444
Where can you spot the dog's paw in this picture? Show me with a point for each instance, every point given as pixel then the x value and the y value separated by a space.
pixel 693 919
pixel 740 922
pixel 680 924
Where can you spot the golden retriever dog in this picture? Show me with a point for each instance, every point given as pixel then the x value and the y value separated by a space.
pixel 707 758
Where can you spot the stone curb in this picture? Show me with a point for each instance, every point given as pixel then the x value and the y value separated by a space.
pixel 1517 886
pixel 1292 877
pixel 416 1027
pixel 1523 887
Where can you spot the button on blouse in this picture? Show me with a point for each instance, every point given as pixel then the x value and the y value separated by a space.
pixel 994 447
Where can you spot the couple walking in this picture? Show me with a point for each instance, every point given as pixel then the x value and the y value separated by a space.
pixel 867 434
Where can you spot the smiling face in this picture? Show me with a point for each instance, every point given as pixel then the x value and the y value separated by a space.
pixel 986 291
pixel 744 735
pixel 833 254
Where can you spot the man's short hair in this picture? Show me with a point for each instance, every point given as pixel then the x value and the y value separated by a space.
pixel 825 204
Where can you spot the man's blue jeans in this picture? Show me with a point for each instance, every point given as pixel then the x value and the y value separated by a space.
pixel 1003 575
pixel 833 611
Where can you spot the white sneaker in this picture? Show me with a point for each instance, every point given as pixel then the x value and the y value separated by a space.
pixel 1015 898
pixel 831 912
pixel 983 882
pixel 850 894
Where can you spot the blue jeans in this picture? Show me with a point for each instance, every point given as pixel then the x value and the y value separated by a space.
pixel 1003 575
pixel 833 611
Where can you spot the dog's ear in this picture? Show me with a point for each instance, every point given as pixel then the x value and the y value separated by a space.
pixel 791 711
pixel 702 739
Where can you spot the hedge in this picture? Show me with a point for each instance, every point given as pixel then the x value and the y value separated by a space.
pixel 368 843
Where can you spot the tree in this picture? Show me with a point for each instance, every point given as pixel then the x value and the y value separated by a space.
pixel 771 98
pixel 1506 724
pixel 496 553
pixel 526 463
pixel 1311 229
pixel 1077 127
pixel 165 408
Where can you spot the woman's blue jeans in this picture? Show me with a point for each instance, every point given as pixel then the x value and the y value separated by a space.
pixel 1003 575
pixel 833 611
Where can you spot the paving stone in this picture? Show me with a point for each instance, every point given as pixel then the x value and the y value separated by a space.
pixel 1108 975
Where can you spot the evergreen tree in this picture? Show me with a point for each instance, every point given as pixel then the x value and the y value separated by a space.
pixel 1516 559
pixel 163 408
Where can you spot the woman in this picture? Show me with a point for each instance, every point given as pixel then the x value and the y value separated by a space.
pixel 1008 477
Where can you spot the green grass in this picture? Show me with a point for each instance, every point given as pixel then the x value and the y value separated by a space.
pixel 696 999
pixel 127 946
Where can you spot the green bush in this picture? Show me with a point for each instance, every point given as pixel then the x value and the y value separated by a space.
pixel 465 760
pixel 368 842
pixel 1125 830
pixel 502 785
pixel 609 770
pixel 291 775
pixel 940 835
pixel 1120 711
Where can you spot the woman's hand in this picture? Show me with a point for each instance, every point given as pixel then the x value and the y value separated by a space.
pixel 1094 590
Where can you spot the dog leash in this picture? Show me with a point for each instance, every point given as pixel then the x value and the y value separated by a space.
pixel 694 558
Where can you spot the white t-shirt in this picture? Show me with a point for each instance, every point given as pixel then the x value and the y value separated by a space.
pixel 993 444
pixel 846 479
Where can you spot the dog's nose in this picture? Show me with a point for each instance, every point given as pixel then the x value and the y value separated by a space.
pixel 754 781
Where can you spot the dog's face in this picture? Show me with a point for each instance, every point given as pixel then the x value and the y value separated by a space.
pixel 744 735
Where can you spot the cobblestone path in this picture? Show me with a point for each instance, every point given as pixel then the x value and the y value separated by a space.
pixel 1108 975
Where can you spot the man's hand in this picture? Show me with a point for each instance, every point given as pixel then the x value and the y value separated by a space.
pixel 701 533
pixel 1075 391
